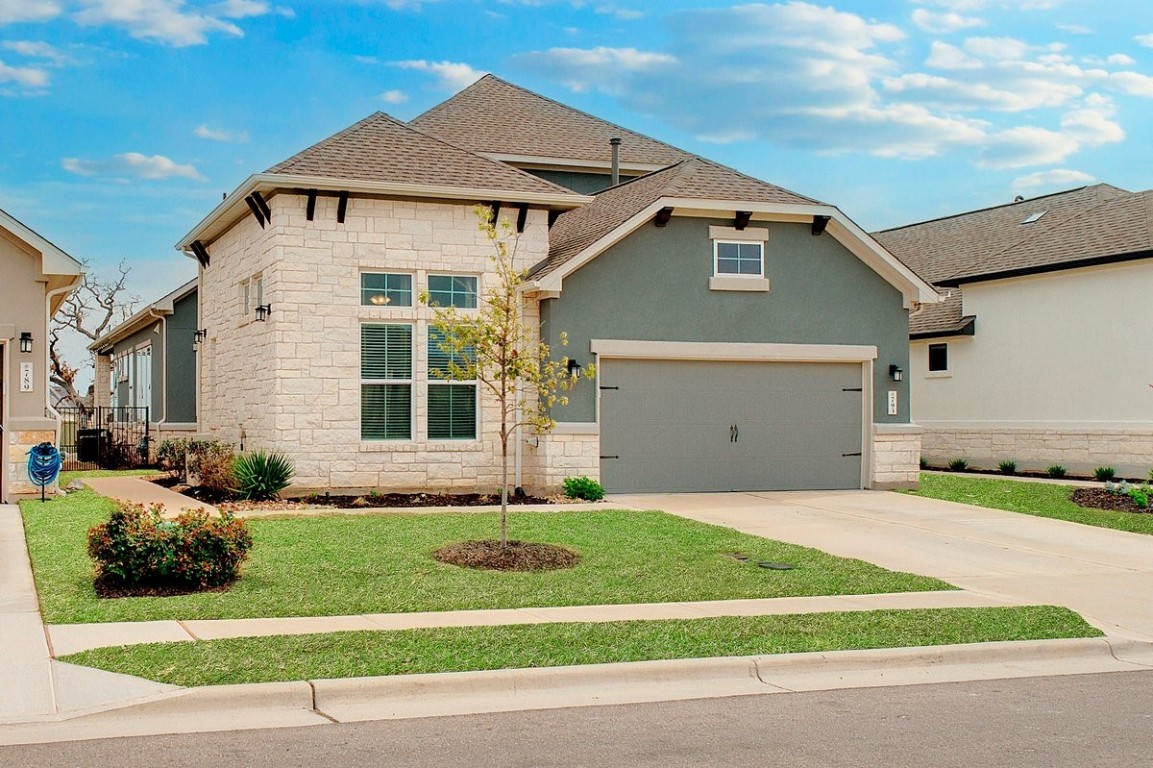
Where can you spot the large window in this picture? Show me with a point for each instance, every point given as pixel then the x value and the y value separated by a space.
pixel 385 290
pixel 938 357
pixel 739 258
pixel 452 291
pixel 451 401
pixel 386 382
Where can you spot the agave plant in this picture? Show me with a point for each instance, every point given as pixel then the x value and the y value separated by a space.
pixel 261 476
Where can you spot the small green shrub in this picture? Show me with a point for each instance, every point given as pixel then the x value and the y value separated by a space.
pixel 1007 467
pixel 140 549
pixel 924 463
pixel 958 465
pixel 1140 495
pixel 1104 474
pixel 261 476
pixel 583 488
pixel 1056 471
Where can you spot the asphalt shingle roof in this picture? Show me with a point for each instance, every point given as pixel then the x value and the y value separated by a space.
pixel 692 178
pixel 497 117
pixel 381 148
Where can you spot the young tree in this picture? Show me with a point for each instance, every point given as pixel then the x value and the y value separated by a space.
pixel 90 310
pixel 500 351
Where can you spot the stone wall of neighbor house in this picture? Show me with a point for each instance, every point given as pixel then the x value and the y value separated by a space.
pixel 20 441
pixel 896 456
pixel 292 383
pixel 1079 449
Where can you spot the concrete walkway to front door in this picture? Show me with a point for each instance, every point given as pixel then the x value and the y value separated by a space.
pixel 1105 575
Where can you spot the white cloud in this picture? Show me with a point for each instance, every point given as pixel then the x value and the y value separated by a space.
pixel 451 75
pixel 617 12
pixel 997 48
pixel 394 97
pixel 1145 40
pixel 1131 83
pixel 1121 60
pixel 581 68
pixel 12 11
pixel 27 77
pixel 945 56
pixel 1075 29
pixel 170 21
pixel 38 50
pixel 1025 145
pixel 215 134
pixel 1056 178
pixel 132 164
pixel 943 23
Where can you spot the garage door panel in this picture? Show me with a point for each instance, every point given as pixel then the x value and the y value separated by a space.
pixel 717 426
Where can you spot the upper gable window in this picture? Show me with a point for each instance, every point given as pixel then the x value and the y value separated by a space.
pixel 938 357
pixel 452 291
pixel 733 258
pixel 739 259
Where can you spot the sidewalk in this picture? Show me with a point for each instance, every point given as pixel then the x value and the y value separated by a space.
pixel 135 490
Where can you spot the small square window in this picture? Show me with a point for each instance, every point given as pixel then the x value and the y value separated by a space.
pixel 938 357
pixel 385 290
pixel 745 259
pixel 452 291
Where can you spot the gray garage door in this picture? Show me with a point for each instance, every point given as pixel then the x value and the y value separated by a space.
pixel 671 425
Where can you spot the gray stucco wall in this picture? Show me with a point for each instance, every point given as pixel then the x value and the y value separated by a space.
pixel 581 183
pixel 148 334
pixel 180 376
pixel 22 308
pixel 654 285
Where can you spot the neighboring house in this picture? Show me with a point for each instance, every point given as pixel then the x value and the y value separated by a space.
pixel 35 278
pixel 1038 355
pixel 146 366
pixel 744 335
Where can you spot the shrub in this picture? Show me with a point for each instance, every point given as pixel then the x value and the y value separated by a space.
pixel 925 463
pixel 261 476
pixel 171 454
pixel 958 465
pixel 140 549
pixel 1140 495
pixel 583 488
pixel 1104 474
pixel 1056 471
pixel 211 461
pixel 1008 467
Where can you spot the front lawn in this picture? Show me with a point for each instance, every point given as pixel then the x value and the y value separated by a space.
pixel 1040 499
pixel 355 564
pixel 458 649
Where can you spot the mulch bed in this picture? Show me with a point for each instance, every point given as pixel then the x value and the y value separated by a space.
pixel 111 590
pixel 1099 498
pixel 488 554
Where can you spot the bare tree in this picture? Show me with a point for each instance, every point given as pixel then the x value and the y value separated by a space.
pixel 91 310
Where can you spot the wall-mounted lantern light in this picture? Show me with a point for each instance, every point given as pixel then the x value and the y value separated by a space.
pixel 25 342
pixel 574 368
pixel 262 312
pixel 896 373
pixel 200 336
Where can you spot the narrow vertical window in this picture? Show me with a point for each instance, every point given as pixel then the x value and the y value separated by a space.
pixel 938 357
pixel 386 382
pixel 451 401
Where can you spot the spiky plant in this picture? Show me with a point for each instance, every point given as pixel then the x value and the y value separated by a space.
pixel 261 475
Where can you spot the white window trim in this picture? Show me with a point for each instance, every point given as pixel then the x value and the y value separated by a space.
pixel 245 298
pixel 427 287
pixel 945 372
pixel 760 275
pixel 377 271
pixel 411 382
pixel 431 380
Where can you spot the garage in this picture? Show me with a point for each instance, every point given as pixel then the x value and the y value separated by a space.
pixel 710 425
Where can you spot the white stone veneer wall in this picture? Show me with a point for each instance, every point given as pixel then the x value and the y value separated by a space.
pixel 558 455
pixel 1079 450
pixel 896 456
pixel 292 383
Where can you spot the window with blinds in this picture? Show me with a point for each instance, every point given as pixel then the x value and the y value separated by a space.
pixel 451 403
pixel 386 382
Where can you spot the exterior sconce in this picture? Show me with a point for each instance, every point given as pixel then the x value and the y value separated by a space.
pixel 200 336
pixel 896 373
pixel 262 312
pixel 25 342
pixel 574 368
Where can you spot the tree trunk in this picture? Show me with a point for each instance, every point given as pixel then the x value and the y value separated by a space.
pixel 503 486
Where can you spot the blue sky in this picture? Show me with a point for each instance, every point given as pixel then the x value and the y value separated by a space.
pixel 123 121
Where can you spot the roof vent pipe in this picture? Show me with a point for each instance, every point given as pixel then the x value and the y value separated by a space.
pixel 615 142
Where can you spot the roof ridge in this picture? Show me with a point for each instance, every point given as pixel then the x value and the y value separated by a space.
pixel 647 176
pixel 742 174
pixel 490 76
pixel 359 124
pixel 996 207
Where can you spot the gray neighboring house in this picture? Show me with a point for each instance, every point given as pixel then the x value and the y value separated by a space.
pixel 149 361
pixel 745 337
pixel 35 279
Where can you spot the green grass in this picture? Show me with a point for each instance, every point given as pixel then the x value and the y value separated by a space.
pixel 353 564
pixel 456 649
pixel 68 477
pixel 1040 499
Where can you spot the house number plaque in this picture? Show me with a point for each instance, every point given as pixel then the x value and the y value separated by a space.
pixel 25 377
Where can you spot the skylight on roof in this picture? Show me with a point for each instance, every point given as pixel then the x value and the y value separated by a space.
pixel 1033 217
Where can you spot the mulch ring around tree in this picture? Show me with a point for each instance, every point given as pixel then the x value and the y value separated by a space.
pixel 488 554
pixel 1099 498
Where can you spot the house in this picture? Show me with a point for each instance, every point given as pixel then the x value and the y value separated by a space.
pixel 146 367
pixel 1036 356
pixel 35 279
pixel 744 336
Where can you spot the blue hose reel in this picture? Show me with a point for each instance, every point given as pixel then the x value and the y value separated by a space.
pixel 44 463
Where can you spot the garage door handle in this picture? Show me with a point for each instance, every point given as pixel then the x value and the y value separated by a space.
pixel 843 455
pixel 736 433
pixel 610 457
pixel 852 389
pixel 604 388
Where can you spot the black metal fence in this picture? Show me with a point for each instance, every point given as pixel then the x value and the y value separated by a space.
pixel 105 438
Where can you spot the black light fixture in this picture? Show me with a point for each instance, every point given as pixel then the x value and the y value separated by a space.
pixel 895 372
pixel 200 336
pixel 25 342
pixel 262 312
pixel 574 368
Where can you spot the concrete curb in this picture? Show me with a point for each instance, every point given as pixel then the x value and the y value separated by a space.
pixel 291 704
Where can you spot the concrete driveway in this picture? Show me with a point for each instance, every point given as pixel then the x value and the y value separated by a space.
pixel 1105 575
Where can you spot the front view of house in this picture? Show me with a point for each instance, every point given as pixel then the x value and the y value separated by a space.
pixel 744 337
